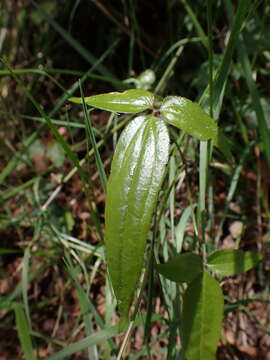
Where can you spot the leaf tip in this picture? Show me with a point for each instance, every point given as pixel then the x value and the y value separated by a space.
pixel 76 100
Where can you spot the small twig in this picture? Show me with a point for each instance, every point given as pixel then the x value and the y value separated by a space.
pixel 51 198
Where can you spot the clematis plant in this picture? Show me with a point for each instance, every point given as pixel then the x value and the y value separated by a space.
pixel 137 172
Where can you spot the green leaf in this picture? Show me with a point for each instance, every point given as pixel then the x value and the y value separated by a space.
pixel 202 318
pixel 129 101
pixel 182 268
pixel 137 172
pixel 189 117
pixel 232 262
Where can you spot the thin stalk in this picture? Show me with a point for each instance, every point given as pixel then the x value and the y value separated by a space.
pixel 150 285
pixel 91 135
pixel 205 151
pixel 136 309
pixel 210 53
pixel 168 70
pixel 47 72
pixel 196 23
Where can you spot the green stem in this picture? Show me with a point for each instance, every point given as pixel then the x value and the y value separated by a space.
pixel 205 147
pixel 168 70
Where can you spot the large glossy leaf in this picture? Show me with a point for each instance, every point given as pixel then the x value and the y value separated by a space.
pixel 188 116
pixel 182 268
pixel 137 172
pixel 232 262
pixel 202 318
pixel 129 101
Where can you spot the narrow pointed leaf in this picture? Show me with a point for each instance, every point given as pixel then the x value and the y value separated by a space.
pixel 202 318
pixel 189 117
pixel 137 172
pixel 232 262
pixel 129 101
pixel 182 268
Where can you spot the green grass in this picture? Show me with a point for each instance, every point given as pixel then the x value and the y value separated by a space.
pixel 56 298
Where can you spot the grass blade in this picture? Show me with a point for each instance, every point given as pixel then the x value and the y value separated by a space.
pixel 180 228
pixel 91 136
pixel 264 131
pixel 84 305
pixel 216 98
pixel 23 332
pixel 196 23
pixel 221 77
pixel 91 340
pixel 25 281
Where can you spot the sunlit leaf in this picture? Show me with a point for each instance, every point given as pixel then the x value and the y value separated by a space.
pixel 137 172
pixel 129 101
pixel 182 268
pixel 202 318
pixel 189 117
pixel 232 262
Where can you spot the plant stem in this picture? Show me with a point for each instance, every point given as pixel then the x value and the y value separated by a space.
pixel 167 72
pixel 205 146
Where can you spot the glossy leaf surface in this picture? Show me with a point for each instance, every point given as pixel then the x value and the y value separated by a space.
pixel 182 268
pixel 189 117
pixel 232 262
pixel 129 101
pixel 202 318
pixel 137 172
